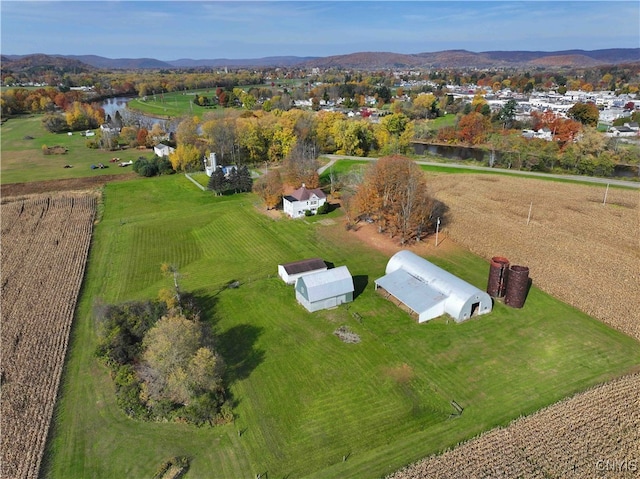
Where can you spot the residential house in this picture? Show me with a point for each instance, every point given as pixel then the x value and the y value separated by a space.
pixel 302 200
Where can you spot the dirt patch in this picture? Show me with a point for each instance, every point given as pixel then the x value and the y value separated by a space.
pixel 68 184
pixel 400 374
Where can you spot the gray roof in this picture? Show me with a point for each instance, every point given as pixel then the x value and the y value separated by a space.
pixel 327 284
pixel 411 291
pixel 303 265
pixel 420 285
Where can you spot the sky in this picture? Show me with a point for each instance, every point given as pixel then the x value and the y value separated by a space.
pixel 169 30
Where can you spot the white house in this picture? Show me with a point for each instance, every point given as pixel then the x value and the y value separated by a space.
pixel 325 289
pixel 428 291
pixel 290 272
pixel 162 150
pixel 303 200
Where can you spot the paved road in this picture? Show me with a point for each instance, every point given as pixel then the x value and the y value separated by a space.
pixel 584 179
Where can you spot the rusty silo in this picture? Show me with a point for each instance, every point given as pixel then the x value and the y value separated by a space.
pixel 517 286
pixel 498 274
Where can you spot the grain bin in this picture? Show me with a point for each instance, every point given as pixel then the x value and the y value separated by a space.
pixel 517 286
pixel 498 275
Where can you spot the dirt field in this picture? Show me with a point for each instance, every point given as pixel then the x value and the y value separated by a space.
pixel 45 242
pixel 12 190
pixel 587 254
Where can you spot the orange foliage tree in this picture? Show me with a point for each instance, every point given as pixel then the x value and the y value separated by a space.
pixel 395 196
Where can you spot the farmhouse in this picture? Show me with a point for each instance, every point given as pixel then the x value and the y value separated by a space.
pixel 290 272
pixel 325 289
pixel 162 150
pixel 303 200
pixel 429 291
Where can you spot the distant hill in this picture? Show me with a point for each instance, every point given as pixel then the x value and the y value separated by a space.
pixel 359 60
pixel 40 62
pixel 228 62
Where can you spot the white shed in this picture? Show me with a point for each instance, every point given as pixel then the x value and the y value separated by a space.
pixel 430 291
pixel 325 289
pixel 290 272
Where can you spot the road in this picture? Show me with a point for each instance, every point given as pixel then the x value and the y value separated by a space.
pixel 584 179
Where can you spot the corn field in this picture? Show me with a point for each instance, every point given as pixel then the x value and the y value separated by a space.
pixel 45 241
pixel 587 253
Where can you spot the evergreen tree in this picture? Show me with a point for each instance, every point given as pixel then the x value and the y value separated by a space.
pixel 218 182
pixel 245 182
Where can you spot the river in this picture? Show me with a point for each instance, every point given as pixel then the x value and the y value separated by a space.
pixel 133 117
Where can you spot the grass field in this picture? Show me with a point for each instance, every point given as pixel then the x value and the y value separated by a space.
pixel 23 160
pixel 305 401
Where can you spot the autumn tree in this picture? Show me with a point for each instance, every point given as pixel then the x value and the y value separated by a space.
pixel 269 188
pixel 585 113
pixel 425 105
pixel 473 128
pixel 187 131
pixel 394 194
pixel 181 361
pixel 222 136
pixel 186 157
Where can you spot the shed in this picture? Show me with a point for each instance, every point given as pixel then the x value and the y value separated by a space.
pixel 325 289
pixel 289 272
pixel 429 291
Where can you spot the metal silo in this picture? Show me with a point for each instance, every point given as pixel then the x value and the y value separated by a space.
pixel 517 286
pixel 498 275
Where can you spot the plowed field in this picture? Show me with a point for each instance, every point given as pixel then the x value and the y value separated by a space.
pixel 588 254
pixel 45 241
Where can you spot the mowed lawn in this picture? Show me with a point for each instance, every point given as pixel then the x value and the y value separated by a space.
pixel 307 404
pixel 23 160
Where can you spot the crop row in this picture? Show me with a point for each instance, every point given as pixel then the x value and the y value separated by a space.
pixel 593 434
pixel 45 242
pixel 584 252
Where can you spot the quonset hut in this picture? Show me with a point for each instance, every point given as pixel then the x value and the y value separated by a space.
pixel 429 291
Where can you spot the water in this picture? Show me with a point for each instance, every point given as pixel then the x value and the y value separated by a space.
pixel 130 117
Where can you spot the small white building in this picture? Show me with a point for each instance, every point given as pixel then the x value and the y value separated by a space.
pixel 303 200
pixel 428 291
pixel 290 272
pixel 162 150
pixel 325 289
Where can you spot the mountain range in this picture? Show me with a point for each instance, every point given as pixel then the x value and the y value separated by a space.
pixel 359 61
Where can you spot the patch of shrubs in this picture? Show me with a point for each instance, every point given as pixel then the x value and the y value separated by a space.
pixel 132 338
pixel 153 167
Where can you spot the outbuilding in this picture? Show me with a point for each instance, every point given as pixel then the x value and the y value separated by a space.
pixel 290 272
pixel 429 291
pixel 325 289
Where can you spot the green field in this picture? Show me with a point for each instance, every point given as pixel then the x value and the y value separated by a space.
pixel 23 160
pixel 304 400
pixel 174 104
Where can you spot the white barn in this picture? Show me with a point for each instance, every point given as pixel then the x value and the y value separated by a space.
pixel 290 272
pixel 163 150
pixel 303 200
pixel 429 291
pixel 325 289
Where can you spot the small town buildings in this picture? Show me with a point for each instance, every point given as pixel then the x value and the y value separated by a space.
pixel 290 272
pixel 628 129
pixel 303 200
pixel 325 289
pixel 428 291
pixel 162 150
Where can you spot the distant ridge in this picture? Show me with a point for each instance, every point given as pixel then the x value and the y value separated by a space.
pixel 359 60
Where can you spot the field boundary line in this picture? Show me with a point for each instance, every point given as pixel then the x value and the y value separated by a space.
pixel 195 182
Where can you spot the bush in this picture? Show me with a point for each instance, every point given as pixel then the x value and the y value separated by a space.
pixel 324 209
pixel 308 213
